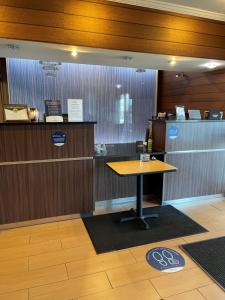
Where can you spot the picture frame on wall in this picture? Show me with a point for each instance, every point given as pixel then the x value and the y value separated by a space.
pixel 15 113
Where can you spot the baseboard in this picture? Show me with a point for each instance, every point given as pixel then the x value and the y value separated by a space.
pixel 195 199
pixel 38 221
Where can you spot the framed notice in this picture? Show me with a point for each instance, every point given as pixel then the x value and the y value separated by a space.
pixel 15 113
pixel 180 112
pixel 75 110
pixel 194 114
pixel 53 111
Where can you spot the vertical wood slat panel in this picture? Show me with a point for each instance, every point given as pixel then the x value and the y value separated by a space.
pixel 200 90
pixel 34 191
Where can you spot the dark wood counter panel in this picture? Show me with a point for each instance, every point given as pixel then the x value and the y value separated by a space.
pixel 41 180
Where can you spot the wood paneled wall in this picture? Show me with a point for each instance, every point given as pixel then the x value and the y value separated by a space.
pixel 111 25
pixel 204 91
pixel 4 96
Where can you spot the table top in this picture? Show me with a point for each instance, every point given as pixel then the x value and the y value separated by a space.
pixel 138 167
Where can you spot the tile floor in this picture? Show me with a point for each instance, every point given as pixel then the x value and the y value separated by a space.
pixel 57 261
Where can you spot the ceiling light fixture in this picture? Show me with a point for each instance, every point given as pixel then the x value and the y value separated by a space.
pixel 140 70
pixel 13 47
pixel 211 65
pixel 172 62
pixel 74 53
pixel 50 68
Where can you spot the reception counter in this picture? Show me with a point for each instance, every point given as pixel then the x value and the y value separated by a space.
pixel 197 149
pixel 40 179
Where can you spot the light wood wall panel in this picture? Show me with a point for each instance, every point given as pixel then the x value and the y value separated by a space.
pixel 111 25
pixel 199 90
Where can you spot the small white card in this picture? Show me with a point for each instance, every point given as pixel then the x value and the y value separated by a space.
pixel 75 110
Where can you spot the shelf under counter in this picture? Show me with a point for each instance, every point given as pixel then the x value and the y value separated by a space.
pixel 47 123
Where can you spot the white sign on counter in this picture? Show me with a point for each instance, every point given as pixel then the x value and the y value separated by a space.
pixel 75 110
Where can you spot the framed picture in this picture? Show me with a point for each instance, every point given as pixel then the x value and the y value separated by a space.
pixel 180 112
pixel 15 113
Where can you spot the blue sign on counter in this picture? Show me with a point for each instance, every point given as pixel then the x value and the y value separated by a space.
pixel 59 138
pixel 165 259
pixel 173 132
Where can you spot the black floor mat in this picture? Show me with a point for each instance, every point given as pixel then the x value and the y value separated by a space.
pixel 210 256
pixel 108 234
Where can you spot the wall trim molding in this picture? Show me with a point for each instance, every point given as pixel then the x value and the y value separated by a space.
pixel 38 221
pixel 195 200
pixel 177 8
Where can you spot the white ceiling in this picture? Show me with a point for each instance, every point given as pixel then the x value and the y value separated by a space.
pixel 209 5
pixel 62 53
pixel 211 9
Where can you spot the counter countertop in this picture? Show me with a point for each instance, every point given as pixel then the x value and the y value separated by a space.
pixel 48 123
pixel 186 121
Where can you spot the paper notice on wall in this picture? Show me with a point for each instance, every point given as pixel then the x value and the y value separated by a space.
pixel 75 110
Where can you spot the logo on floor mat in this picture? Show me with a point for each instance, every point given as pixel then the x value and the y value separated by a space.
pixel 165 259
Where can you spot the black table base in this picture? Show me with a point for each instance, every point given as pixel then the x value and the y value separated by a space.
pixel 138 213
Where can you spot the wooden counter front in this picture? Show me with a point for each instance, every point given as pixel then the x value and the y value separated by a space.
pixel 41 180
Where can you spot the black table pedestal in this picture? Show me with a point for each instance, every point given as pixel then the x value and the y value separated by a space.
pixel 138 213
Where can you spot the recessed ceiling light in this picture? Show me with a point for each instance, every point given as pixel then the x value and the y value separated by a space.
pixel 118 86
pixel 211 65
pixel 172 62
pixel 74 53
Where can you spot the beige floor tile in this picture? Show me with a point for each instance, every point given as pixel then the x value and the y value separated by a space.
pixel 28 229
pixel 100 263
pixel 132 273
pixel 180 282
pixel 73 232
pixel 68 230
pixel 136 291
pixel 19 281
pixel 71 289
pixel 61 256
pixel 140 251
pixel 71 223
pixel 212 292
pixel 41 236
pixel 72 242
pixel 142 270
pixel 28 250
pixel 19 295
pixel 204 236
pixel 14 266
pixel 13 241
pixel 192 295
pixel 220 204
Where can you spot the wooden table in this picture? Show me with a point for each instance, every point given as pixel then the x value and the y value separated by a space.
pixel 139 168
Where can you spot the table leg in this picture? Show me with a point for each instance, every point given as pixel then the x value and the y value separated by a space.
pixel 139 206
pixel 139 196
